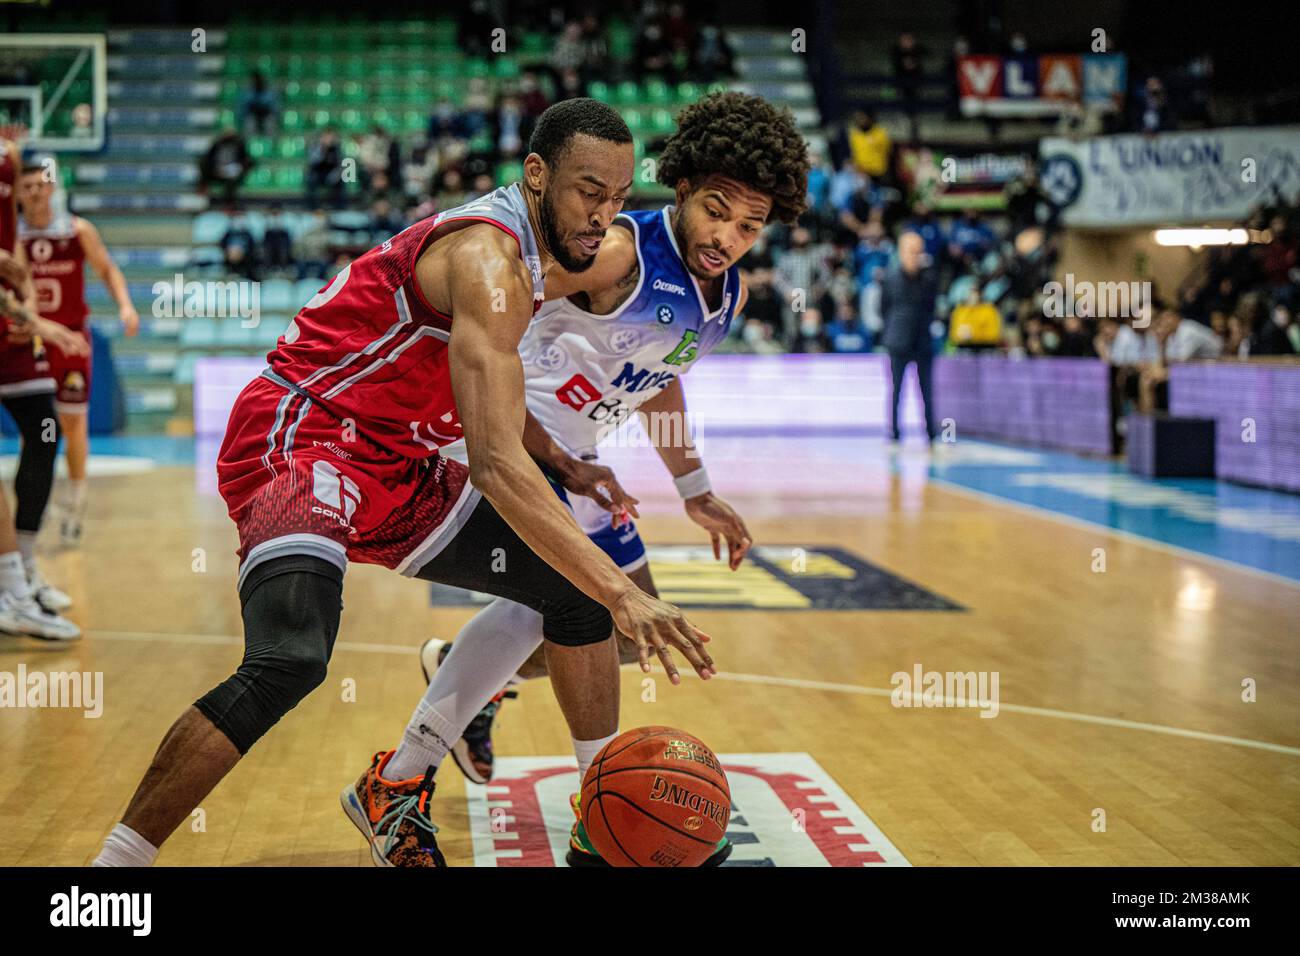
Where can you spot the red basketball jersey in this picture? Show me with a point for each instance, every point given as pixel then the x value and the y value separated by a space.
pixel 372 351
pixel 9 163
pixel 57 261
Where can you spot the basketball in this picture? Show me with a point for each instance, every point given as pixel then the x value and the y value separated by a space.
pixel 655 796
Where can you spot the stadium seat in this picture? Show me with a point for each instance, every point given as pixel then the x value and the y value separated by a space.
pixel 198 332
pixel 209 227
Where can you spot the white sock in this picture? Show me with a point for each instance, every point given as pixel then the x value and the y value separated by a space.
pixel 27 548
pixel 77 495
pixel 586 750
pixel 487 652
pixel 13 577
pixel 125 847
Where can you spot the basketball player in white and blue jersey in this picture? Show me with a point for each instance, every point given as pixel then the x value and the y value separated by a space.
pixel 614 341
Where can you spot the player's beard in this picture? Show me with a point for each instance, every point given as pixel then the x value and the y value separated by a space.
pixel 688 251
pixel 551 236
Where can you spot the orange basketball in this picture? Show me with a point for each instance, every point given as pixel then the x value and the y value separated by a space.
pixel 655 796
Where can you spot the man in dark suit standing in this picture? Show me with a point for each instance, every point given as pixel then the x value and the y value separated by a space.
pixel 907 302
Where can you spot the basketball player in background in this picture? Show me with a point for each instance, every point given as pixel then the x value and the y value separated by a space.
pixel 58 247
pixel 20 611
pixel 331 456
pixel 614 341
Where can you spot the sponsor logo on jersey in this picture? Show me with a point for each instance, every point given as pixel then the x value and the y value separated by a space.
pixel 577 393
pixel 634 379
pixel 624 341
pixel 661 286
pixel 664 314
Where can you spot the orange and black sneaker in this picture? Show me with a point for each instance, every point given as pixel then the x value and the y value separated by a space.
pixel 394 816
pixel 582 853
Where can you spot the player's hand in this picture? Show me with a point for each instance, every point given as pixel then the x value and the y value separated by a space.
pixel 655 627
pixel 599 484
pixel 12 272
pixel 61 337
pixel 130 319
pixel 720 520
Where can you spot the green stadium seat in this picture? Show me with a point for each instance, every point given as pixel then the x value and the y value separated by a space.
pixel 259 147
pixel 598 91
pixel 687 92
pixel 627 92
pixel 292 121
pixel 292 147
pixel 657 92
pixel 661 122
pixel 635 121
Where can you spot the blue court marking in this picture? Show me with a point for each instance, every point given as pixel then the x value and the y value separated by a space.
pixel 161 449
pixel 1253 527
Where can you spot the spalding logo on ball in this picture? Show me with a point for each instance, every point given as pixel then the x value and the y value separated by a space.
pixel 655 796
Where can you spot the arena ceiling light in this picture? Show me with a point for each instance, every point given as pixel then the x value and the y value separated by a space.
pixel 1202 237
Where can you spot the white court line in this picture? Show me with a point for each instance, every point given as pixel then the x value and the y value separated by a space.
pixel 769 679
pixel 1117 532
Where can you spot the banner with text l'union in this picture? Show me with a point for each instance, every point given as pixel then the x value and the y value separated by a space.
pixel 1170 179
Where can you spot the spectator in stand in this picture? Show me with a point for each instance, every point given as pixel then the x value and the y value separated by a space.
pixel 225 165
pixel 474 35
pixel 570 85
pixel 595 49
pixel 909 294
pixel 476 107
pixel 1076 338
pixel 277 241
pixel 925 225
pixel 713 58
pixel 819 183
pixel 969 240
pixel 451 190
pixel 960 48
pixel 846 332
pixel 812 336
pixel 1153 112
pixel 1026 203
pixel 869 144
pixel 569 52
pixel 653 55
pixel 481 186
pixel 311 251
pixel 872 254
pixel 800 278
pixel 445 122
pixel 1276 260
pixel 385 221
pixel 325 168
pixel 861 208
pixel 510 128
pixel 532 97
pixel 258 107
pixel 908 70
pixel 418 173
pixel 238 247
pixel 379 156
pixel 1278 335
pixel 1177 340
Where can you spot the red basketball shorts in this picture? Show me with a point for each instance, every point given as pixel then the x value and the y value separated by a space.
pixel 298 480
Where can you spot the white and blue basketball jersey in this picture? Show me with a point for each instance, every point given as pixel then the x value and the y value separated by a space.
pixel 585 374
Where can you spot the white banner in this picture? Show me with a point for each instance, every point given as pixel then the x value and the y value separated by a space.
pixel 1171 178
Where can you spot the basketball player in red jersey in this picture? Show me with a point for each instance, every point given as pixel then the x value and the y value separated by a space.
pixel 58 246
pixel 331 456
pixel 20 611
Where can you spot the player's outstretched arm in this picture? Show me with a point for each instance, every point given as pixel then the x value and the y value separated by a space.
pixel 578 477
pixel 682 459
pixel 108 272
pixel 491 299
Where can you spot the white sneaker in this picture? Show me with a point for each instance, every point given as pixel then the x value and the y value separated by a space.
pixel 28 617
pixel 48 596
pixel 70 530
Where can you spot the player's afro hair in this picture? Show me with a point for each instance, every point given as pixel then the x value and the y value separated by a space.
pixel 742 137
pixel 557 126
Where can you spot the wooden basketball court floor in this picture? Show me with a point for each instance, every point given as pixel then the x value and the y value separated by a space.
pixel 1120 691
